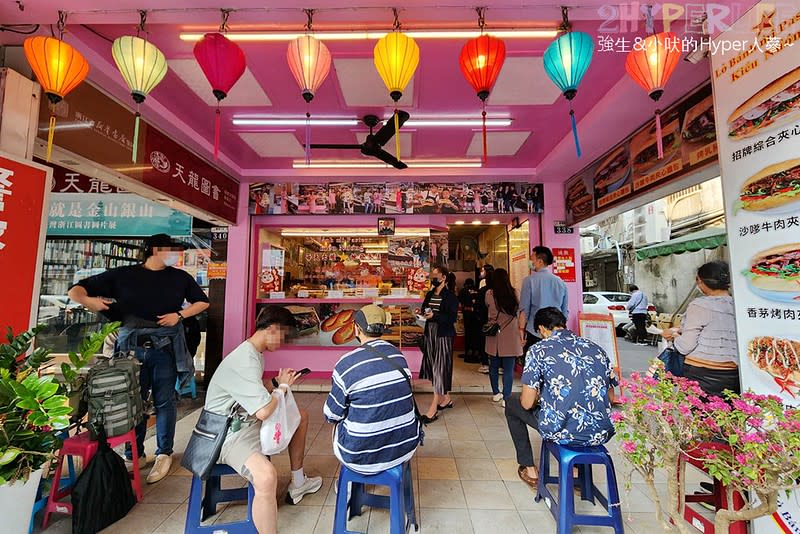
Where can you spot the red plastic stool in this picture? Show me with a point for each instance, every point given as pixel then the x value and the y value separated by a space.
pixel 80 445
pixel 718 498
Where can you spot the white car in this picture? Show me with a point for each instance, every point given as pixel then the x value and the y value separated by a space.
pixel 610 302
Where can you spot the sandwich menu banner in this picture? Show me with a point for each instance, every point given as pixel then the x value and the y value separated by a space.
pixel 633 166
pixel 757 100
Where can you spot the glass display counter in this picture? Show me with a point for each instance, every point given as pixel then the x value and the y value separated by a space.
pixel 324 275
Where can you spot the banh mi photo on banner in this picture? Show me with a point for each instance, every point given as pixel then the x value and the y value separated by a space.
pixel 772 187
pixel 613 172
pixel 777 104
pixel 774 273
pixel 780 357
pixel 698 123
pixel 579 201
pixel 644 150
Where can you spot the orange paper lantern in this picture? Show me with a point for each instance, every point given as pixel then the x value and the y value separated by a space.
pixel 481 60
pixel 650 64
pixel 58 67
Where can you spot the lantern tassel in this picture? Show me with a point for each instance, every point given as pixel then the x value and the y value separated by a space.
pixel 397 135
pixel 135 152
pixel 308 138
pixel 575 131
pixel 217 123
pixel 659 143
pixel 50 133
pixel 485 145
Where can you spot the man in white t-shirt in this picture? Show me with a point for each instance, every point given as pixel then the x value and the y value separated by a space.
pixel 238 379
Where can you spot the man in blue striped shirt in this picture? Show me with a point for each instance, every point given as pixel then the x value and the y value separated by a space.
pixel 371 402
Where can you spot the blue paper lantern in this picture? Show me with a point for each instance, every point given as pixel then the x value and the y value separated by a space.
pixel 566 61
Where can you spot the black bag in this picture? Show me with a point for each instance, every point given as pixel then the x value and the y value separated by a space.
pixel 202 451
pixel 673 361
pixel 102 494
pixel 491 329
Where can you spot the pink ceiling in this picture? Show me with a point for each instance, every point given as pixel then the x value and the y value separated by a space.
pixel 608 105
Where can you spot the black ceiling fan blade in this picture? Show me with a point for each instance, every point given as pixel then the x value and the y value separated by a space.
pixel 388 158
pixel 335 146
pixel 387 131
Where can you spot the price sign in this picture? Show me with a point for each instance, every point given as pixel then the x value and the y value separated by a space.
pixel 560 227
pixel 219 233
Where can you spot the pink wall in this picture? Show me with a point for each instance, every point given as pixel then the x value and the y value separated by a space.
pixel 237 285
pixel 555 211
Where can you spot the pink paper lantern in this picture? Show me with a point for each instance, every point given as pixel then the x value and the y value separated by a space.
pixel 223 63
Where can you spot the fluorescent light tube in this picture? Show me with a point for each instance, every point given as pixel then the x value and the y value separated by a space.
pixel 419 164
pixel 413 123
pixel 369 35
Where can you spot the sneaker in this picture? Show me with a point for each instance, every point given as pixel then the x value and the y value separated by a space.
pixel 503 403
pixel 500 371
pixel 497 398
pixel 483 369
pixel 296 494
pixel 143 461
pixel 160 469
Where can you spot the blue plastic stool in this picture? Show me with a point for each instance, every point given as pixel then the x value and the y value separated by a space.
pixel 400 501
pixel 202 506
pixel 191 387
pixel 42 495
pixel 563 509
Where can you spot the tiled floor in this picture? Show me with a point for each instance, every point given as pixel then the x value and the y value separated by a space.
pixel 465 481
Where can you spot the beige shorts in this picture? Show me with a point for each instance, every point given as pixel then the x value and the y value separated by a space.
pixel 240 446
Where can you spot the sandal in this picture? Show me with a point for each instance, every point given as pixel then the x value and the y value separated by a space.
pixel 523 474
pixel 446 406
pixel 428 420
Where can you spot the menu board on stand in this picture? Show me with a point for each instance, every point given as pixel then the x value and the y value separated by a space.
pixel 757 99
pixel 600 328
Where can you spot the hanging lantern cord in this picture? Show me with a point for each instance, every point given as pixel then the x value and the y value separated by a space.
pixel 659 142
pixel 485 144
pixel 142 21
pixel 574 130
pixel 61 24
pixel 396 23
pixel 565 24
pixel 223 25
pixel 309 18
pixel 308 137
pixel 648 24
pixel 481 17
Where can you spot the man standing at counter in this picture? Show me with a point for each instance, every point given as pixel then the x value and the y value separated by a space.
pixel 148 298
pixel 542 289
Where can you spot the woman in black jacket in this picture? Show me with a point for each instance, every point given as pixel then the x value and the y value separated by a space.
pixel 440 309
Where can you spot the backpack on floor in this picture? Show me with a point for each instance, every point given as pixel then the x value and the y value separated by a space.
pixel 114 396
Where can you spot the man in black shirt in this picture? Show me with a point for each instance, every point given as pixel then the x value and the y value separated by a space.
pixel 148 298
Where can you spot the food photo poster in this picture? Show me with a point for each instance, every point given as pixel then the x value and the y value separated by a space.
pixel 757 102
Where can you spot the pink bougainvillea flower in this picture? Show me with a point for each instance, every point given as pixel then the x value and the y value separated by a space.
pixel 629 447
pixel 753 437
pixel 617 417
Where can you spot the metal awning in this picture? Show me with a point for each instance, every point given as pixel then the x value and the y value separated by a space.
pixel 708 239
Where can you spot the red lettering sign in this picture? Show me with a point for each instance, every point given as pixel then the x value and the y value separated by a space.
pixel 564 264
pixel 23 194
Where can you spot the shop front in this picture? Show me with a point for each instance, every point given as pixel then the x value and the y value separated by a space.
pixel 325 249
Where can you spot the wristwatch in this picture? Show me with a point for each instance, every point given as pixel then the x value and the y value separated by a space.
pixel 180 317
pixel 275 381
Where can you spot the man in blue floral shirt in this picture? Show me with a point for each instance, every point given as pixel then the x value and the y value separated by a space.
pixel 565 387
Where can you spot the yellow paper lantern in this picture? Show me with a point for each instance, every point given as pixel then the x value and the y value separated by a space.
pixel 396 58
pixel 59 68
pixel 143 66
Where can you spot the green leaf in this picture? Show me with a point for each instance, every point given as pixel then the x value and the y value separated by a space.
pixel 56 401
pixel 38 419
pixel 28 404
pixel 61 410
pixel 9 455
pixel 60 422
pixel 46 391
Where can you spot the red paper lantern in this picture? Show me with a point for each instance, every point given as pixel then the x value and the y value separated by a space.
pixel 481 60
pixel 650 64
pixel 223 63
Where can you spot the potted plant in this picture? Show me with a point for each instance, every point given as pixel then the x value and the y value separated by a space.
pixel 662 419
pixel 32 412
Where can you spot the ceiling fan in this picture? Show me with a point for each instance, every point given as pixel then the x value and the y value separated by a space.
pixel 373 144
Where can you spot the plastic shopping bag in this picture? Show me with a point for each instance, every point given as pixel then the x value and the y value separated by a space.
pixel 278 429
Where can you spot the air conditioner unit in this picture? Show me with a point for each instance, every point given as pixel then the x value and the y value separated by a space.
pixel 587 244
pixel 650 225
